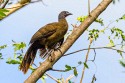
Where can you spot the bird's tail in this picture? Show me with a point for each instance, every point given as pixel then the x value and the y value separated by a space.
pixel 28 58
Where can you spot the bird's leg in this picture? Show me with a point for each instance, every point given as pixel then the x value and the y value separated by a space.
pixel 46 47
pixel 49 52
pixel 57 47
pixel 51 58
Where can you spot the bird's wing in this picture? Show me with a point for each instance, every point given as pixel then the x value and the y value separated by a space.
pixel 44 32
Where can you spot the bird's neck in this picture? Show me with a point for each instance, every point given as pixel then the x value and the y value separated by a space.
pixel 62 20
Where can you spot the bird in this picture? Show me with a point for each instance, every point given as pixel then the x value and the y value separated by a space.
pixel 48 37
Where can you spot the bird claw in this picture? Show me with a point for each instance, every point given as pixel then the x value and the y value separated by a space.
pixel 51 58
pixel 58 49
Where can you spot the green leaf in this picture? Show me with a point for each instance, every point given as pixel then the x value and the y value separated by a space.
pixel 100 21
pixel 122 62
pixel 114 1
pixel 19 46
pixel 70 81
pixel 4 10
pixel 75 72
pixel 68 68
pixel 43 78
pixel 94 33
pixel 111 43
pixel 1 56
pixel 12 61
pixel 81 18
pixel 20 57
pixel 2 14
pixel 123 17
pixel 80 62
pixel 119 52
pixel 86 65
pixel 3 46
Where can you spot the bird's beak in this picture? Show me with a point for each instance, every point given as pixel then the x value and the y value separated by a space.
pixel 69 14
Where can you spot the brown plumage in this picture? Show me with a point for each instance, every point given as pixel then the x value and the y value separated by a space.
pixel 45 39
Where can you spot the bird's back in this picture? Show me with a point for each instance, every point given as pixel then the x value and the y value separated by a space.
pixel 52 31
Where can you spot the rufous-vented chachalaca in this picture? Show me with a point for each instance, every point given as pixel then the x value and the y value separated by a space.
pixel 45 39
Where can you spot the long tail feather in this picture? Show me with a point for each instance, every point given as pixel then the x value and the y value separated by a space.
pixel 28 58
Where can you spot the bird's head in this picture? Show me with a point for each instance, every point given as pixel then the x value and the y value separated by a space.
pixel 64 14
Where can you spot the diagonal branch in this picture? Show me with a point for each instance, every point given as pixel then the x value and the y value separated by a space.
pixel 83 70
pixel 16 7
pixel 47 64
pixel 52 78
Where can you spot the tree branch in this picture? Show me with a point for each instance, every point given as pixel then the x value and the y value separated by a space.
pixel 88 7
pixel 16 7
pixel 70 77
pixel 47 64
pixel 94 48
pixel 86 60
pixel 52 78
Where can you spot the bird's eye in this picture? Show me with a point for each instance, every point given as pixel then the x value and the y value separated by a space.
pixel 67 12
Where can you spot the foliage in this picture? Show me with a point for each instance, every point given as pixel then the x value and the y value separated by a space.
pixel 114 1
pixel 86 65
pixel 81 18
pixel 68 68
pixel 12 61
pixel 19 46
pixel 121 18
pixel 18 56
pixel 94 33
pixel 122 62
pixel 1 56
pixel 118 33
pixel 2 47
pixel 18 53
pixel 2 13
pixel 98 20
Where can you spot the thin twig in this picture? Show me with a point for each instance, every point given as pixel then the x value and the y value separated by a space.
pixel 52 77
pixel 4 5
pixel 93 79
pixel 48 75
pixel 111 47
pixel 70 77
pixel 94 56
pixel 24 4
pixel 86 60
pixel 88 7
pixel 58 70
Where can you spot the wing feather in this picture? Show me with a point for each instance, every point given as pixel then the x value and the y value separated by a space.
pixel 44 32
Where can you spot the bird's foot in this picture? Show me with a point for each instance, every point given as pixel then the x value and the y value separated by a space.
pixel 51 58
pixel 58 49
pixel 47 50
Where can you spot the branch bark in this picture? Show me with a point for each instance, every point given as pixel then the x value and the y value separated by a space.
pixel 47 64
pixel 16 7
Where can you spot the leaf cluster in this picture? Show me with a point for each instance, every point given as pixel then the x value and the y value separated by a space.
pixel 18 53
pixel 94 33
pixel 2 13
pixel 98 20
pixel 2 47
